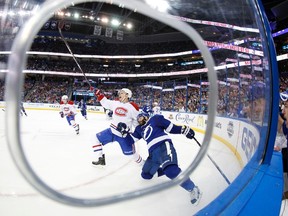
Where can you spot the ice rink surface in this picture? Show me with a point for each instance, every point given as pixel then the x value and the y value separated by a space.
pixel 63 160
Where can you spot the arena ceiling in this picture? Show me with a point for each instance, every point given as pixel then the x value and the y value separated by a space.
pixel 211 10
pixel 217 11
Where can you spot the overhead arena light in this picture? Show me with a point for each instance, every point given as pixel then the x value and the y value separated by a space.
pixel 105 20
pixel 115 22
pixel 76 15
pixel 129 25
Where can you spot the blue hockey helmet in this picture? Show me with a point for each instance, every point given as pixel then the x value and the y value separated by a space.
pixel 146 111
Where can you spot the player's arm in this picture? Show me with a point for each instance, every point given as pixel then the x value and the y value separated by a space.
pixel 174 129
pixel 61 114
pixel 136 135
pixel 61 111
pixel 99 95
pixel 105 102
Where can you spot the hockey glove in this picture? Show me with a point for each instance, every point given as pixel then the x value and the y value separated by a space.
pixel 61 114
pixel 123 129
pixel 71 113
pixel 188 132
pixel 97 92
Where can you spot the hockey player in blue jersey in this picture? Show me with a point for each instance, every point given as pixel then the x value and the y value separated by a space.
pixel 162 154
pixel 83 108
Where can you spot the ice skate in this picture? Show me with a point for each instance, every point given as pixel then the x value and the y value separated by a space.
pixel 101 161
pixel 195 196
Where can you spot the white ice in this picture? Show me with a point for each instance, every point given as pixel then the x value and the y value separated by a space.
pixel 63 160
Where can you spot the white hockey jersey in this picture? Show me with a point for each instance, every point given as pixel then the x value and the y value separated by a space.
pixel 68 109
pixel 122 112
pixel 156 110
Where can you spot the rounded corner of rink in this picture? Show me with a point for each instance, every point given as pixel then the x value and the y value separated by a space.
pixel 63 160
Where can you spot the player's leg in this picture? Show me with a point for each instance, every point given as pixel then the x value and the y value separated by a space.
pixel 128 148
pixel 172 170
pixel 99 140
pixel 85 114
pixel 151 165
pixel 72 122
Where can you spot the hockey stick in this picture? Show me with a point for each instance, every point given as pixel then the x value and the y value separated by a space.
pixel 113 126
pixel 218 168
pixel 60 26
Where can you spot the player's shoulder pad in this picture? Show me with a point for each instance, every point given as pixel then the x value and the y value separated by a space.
pixel 71 102
pixel 135 105
pixel 157 116
pixel 61 102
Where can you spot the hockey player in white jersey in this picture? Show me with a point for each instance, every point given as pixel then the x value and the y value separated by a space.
pixel 68 110
pixel 162 157
pixel 156 108
pixel 123 111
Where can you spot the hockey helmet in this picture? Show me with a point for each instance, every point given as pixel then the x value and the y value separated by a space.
pixel 127 91
pixel 64 98
pixel 146 111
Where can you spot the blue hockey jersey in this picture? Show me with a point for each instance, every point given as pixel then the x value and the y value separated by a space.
pixel 155 131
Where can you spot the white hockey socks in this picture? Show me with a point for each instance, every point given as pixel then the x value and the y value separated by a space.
pixel 98 150
pixel 138 159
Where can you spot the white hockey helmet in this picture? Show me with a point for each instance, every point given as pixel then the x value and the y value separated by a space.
pixel 155 104
pixel 127 91
pixel 64 97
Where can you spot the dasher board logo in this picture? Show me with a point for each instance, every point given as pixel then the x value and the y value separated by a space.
pixel 200 121
pixel 54 106
pixel 93 108
pixel 185 118
pixel 170 116
pixel 230 129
